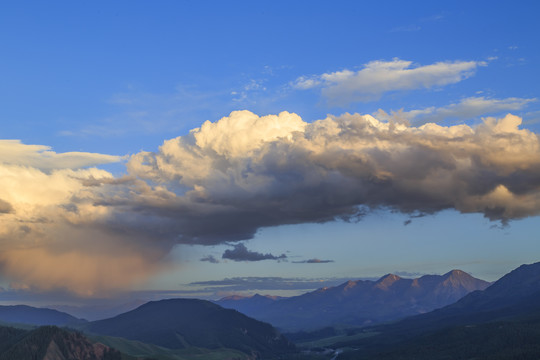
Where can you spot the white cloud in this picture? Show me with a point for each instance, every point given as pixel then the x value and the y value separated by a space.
pixel 42 157
pixel 468 108
pixel 84 230
pixel 51 228
pixel 379 77
pixel 242 176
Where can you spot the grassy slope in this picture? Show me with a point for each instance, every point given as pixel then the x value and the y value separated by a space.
pixel 490 341
pixel 140 349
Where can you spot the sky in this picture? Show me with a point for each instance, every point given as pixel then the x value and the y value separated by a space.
pixel 209 148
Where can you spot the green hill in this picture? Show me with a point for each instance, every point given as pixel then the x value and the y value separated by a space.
pixel 188 323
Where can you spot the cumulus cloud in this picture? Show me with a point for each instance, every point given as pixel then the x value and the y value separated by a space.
pixel 241 253
pixel 84 230
pixel 313 261
pixel 379 77
pixel 467 108
pixel 52 233
pixel 244 172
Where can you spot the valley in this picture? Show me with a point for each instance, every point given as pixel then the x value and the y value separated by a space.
pixel 487 321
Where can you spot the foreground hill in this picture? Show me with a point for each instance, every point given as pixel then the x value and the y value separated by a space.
pixel 359 303
pixel 22 314
pixel 185 323
pixel 51 343
pixel 501 322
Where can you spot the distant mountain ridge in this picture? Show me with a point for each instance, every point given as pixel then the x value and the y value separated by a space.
pixel 515 294
pixel 360 302
pixel 23 314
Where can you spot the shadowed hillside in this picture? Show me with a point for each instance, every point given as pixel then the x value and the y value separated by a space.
pixel 184 323
pixel 51 343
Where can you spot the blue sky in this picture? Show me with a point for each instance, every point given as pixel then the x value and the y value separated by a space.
pixel 100 86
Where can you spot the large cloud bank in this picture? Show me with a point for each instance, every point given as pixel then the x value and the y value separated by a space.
pixel 82 229
pixel 244 172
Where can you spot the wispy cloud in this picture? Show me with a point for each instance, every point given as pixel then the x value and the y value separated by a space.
pixel 468 108
pixel 252 86
pixel 408 274
pixel 266 283
pixel 379 77
pixel 313 261
pixel 13 152
pixel 241 253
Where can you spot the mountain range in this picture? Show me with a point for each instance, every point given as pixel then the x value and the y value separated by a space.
pixel 358 303
pixel 500 322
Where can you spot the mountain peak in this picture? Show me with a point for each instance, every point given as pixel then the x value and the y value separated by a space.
pixel 457 273
pixel 461 279
pixel 387 281
pixel 350 284
pixel 388 278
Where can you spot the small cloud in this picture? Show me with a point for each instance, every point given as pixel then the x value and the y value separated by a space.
pixel 210 259
pixel 241 253
pixel 513 47
pixel 414 215
pixel 408 274
pixel 313 261
pixel 306 82
pixel 252 86
pixel 468 108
